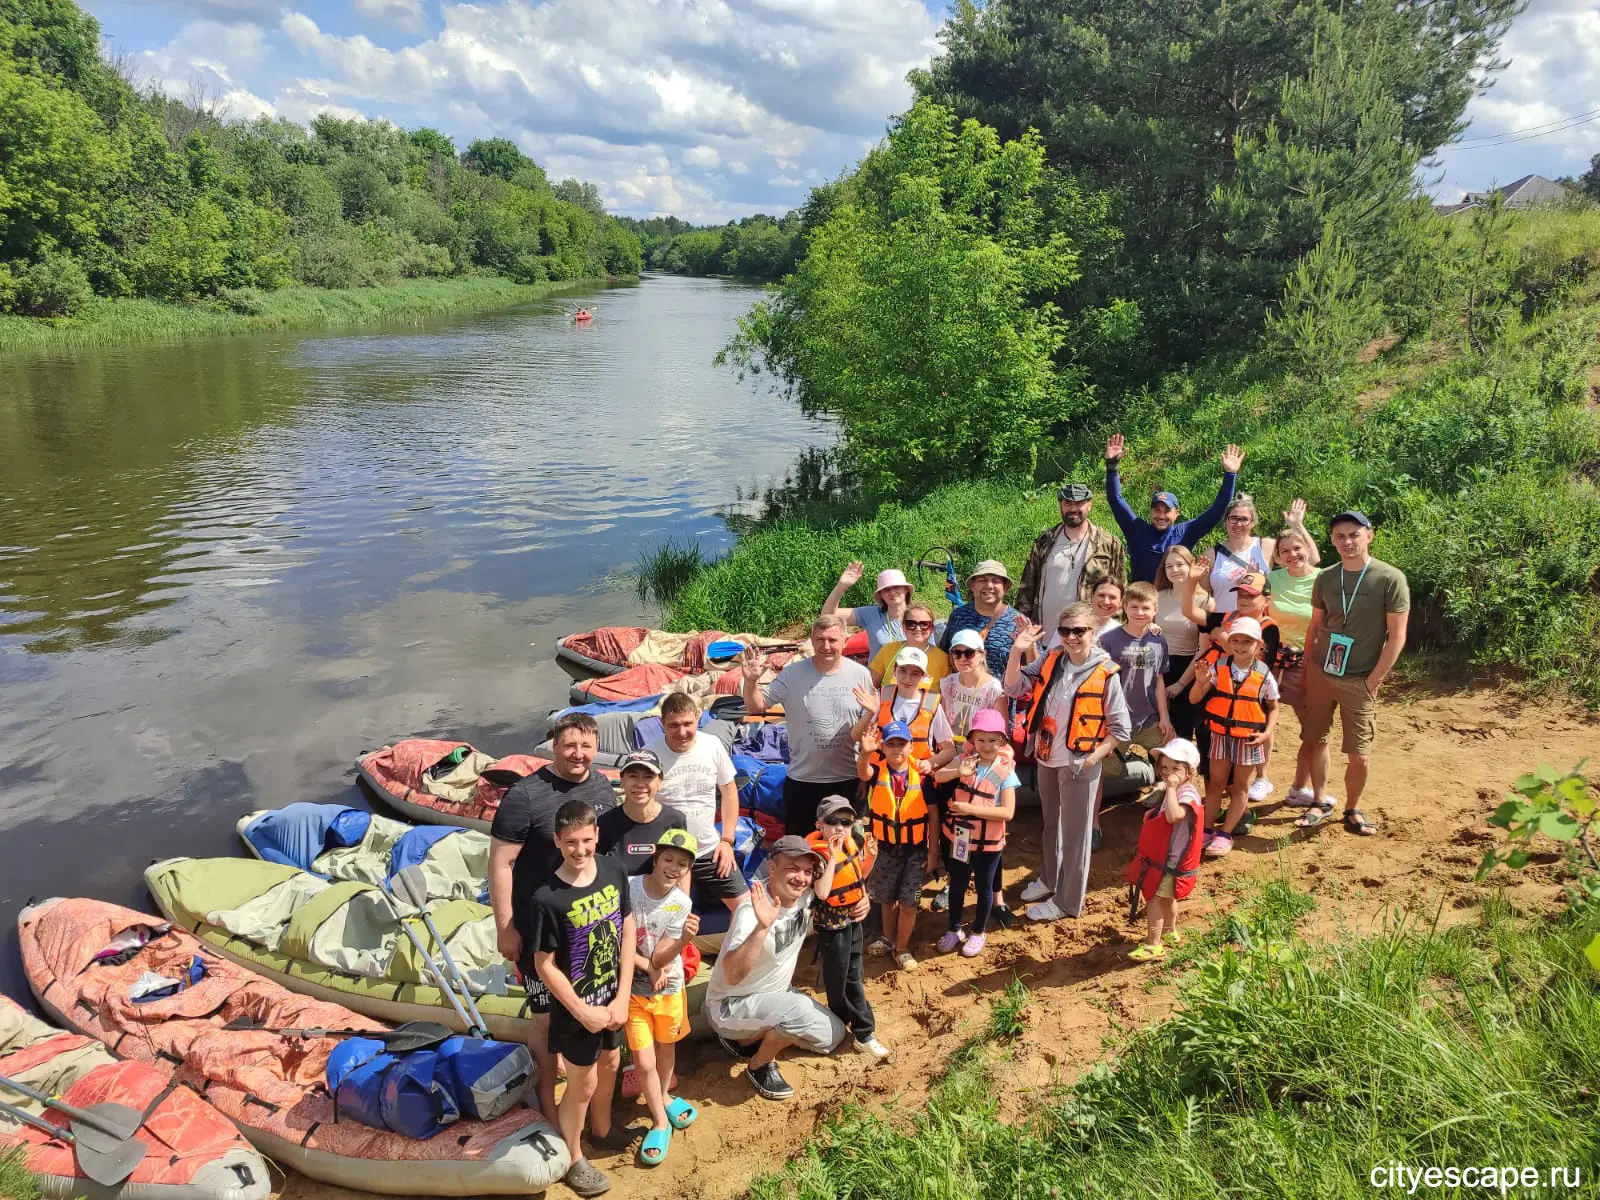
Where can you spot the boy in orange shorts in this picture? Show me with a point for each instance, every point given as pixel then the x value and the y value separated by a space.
pixel 658 1013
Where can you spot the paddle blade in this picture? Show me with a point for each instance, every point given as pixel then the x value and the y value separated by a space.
pixel 411 885
pixel 415 1035
pixel 110 1167
pixel 723 651
pixel 104 1126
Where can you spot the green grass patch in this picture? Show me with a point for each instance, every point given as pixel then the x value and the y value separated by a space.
pixel 107 322
pixel 1289 1070
pixel 15 1183
pixel 666 570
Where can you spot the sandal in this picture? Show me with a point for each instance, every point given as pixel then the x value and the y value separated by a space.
pixel 1145 952
pixel 653 1152
pixel 1172 938
pixel 1356 822
pixel 1319 812
pixel 681 1113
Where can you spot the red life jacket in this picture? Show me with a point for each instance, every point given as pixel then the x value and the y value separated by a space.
pixel 1149 866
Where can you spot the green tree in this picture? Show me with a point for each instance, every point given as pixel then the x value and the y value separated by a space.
pixel 495 156
pixel 919 315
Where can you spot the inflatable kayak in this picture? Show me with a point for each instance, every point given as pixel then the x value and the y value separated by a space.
pixel 193 1151
pixel 613 648
pixel 271 1087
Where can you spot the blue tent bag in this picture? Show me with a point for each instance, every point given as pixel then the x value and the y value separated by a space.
pixel 760 785
pixel 486 1078
pixel 420 1093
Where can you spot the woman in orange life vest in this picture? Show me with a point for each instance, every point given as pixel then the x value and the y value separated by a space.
pixel 1239 705
pixel 1076 716
pixel 908 699
pixel 898 807
pixel 1163 867
pixel 974 828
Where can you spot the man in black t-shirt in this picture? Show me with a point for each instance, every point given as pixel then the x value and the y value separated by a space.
pixel 630 831
pixel 523 856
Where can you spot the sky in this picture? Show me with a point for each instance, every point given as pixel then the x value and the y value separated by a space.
pixel 711 109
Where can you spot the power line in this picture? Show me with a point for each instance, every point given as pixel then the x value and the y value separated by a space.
pixel 1505 133
pixel 1507 140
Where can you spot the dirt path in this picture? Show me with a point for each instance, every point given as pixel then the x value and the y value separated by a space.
pixel 1441 766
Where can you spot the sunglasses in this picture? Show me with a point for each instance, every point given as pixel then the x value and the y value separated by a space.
pixel 838 820
pixel 963 652
pixel 1067 631
pixel 916 624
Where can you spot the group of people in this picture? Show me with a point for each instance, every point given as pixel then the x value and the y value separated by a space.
pixel 1115 648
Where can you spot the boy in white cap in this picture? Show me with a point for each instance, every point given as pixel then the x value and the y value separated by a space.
pixel 1239 705
pixel 1164 866
pixel 908 699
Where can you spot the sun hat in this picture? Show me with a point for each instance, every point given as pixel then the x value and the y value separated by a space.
pixel 1253 583
pixel 1351 514
pixel 832 805
pixel 890 579
pixel 641 758
pixel 1180 750
pixel 1170 499
pixel 793 843
pixel 912 656
pixel 896 731
pixel 967 639
pixel 990 566
pixel 679 839
pixel 1244 627
pixel 1075 491
pixel 986 720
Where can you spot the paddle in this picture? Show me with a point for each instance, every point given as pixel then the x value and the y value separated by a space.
pixel 107 1155
pixel 725 651
pixel 439 976
pixel 412 885
pixel 413 1035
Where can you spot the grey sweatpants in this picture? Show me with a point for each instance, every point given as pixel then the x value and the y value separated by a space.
pixel 1068 804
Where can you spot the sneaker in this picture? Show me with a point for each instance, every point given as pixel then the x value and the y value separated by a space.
pixel 1218 845
pixel 878 947
pixel 1037 890
pixel 1260 789
pixel 973 946
pixel 768 1083
pixel 948 942
pixel 1048 911
pixel 1095 840
pixel 904 961
pixel 744 1051
pixel 1300 797
pixel 872 1046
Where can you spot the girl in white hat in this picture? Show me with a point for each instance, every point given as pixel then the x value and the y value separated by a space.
pixel 881 620
pixel 1238 700
pixel 1164 867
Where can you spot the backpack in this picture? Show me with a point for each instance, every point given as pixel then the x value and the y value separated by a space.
pixel 761 792
pixel 421 1093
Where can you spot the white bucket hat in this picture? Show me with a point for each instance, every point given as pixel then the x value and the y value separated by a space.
pixel 890 579
pixel 990 566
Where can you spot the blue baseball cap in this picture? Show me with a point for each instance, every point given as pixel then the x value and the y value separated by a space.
pixel 1170 499
pixel 897 730
pixel 1351 514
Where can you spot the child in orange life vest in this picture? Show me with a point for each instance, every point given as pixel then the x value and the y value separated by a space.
pixel 974 827
pixel 898 802
pixel 839 918
pixel 1252 593
pixel 909 699
pixel 1164 866
pixel 1239 706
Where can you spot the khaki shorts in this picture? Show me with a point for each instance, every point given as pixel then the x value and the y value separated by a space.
pixel 1358 711
pixel 1149 739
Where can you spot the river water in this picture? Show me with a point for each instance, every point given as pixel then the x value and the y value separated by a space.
pixel 228 567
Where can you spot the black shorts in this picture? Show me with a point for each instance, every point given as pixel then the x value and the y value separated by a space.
pixel 539 1001
pixel 576 1044
pixel 707 884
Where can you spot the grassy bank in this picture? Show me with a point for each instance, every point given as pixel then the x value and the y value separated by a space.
pixel 1478 470
pixel 15 1183
pixel 1291 1070
pixel 105 322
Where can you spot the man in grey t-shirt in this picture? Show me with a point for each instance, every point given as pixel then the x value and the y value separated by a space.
pixel 819 703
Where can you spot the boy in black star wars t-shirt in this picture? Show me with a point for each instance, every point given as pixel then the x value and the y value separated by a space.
pixel 584 951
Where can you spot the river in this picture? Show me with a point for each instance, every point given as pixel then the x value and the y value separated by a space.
pixel 228 567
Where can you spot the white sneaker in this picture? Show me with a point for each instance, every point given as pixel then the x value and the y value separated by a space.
pixel 873 1047
pixel 1261 789
pixel 1037 890
pixel 1300 797
pixel 905 961
pixel 1045 912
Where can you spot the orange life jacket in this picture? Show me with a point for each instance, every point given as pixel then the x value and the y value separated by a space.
pixel 1150 862
pixel 984 789
pixel 921 725
pixel 1218 649
pixel 849 873
pixel 1235 710
pixel 1086 723
pixel 902 822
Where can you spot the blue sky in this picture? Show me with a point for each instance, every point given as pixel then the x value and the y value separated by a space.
pixel 708 109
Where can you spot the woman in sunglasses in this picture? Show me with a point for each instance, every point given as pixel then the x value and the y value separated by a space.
pixel 1077 715
pixel 1239 553
pixel 918 625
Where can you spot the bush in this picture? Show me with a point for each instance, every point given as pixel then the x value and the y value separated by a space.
pixel 246 301
pixel 54 286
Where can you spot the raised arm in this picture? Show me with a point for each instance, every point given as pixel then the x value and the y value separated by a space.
pixel 847 580
pixel 1232 459
pixel 1192 608
pixel 751 663
pixel 1126 519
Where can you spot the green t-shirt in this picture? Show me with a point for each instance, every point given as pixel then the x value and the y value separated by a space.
pixel 1291 604
pixel 1383 590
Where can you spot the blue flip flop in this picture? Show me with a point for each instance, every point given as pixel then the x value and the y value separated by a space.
pixel 681 1113
pixel 655 1143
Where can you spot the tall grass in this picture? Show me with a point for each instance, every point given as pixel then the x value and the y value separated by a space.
pixel 665 570
pixel 1290 1070
pixel 15 1183
pixel 106 322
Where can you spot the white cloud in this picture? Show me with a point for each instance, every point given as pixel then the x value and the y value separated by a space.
pixel 206 53
pixel 405 15
pixel 1554 74
pixel 702 156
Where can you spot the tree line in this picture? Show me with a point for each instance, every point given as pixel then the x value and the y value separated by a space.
pixel 107 189
pixel 757 247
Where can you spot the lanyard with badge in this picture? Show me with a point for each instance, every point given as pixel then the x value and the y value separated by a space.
pixel 1337 658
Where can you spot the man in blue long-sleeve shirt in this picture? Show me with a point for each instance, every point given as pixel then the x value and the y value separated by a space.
pixel 1149 541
